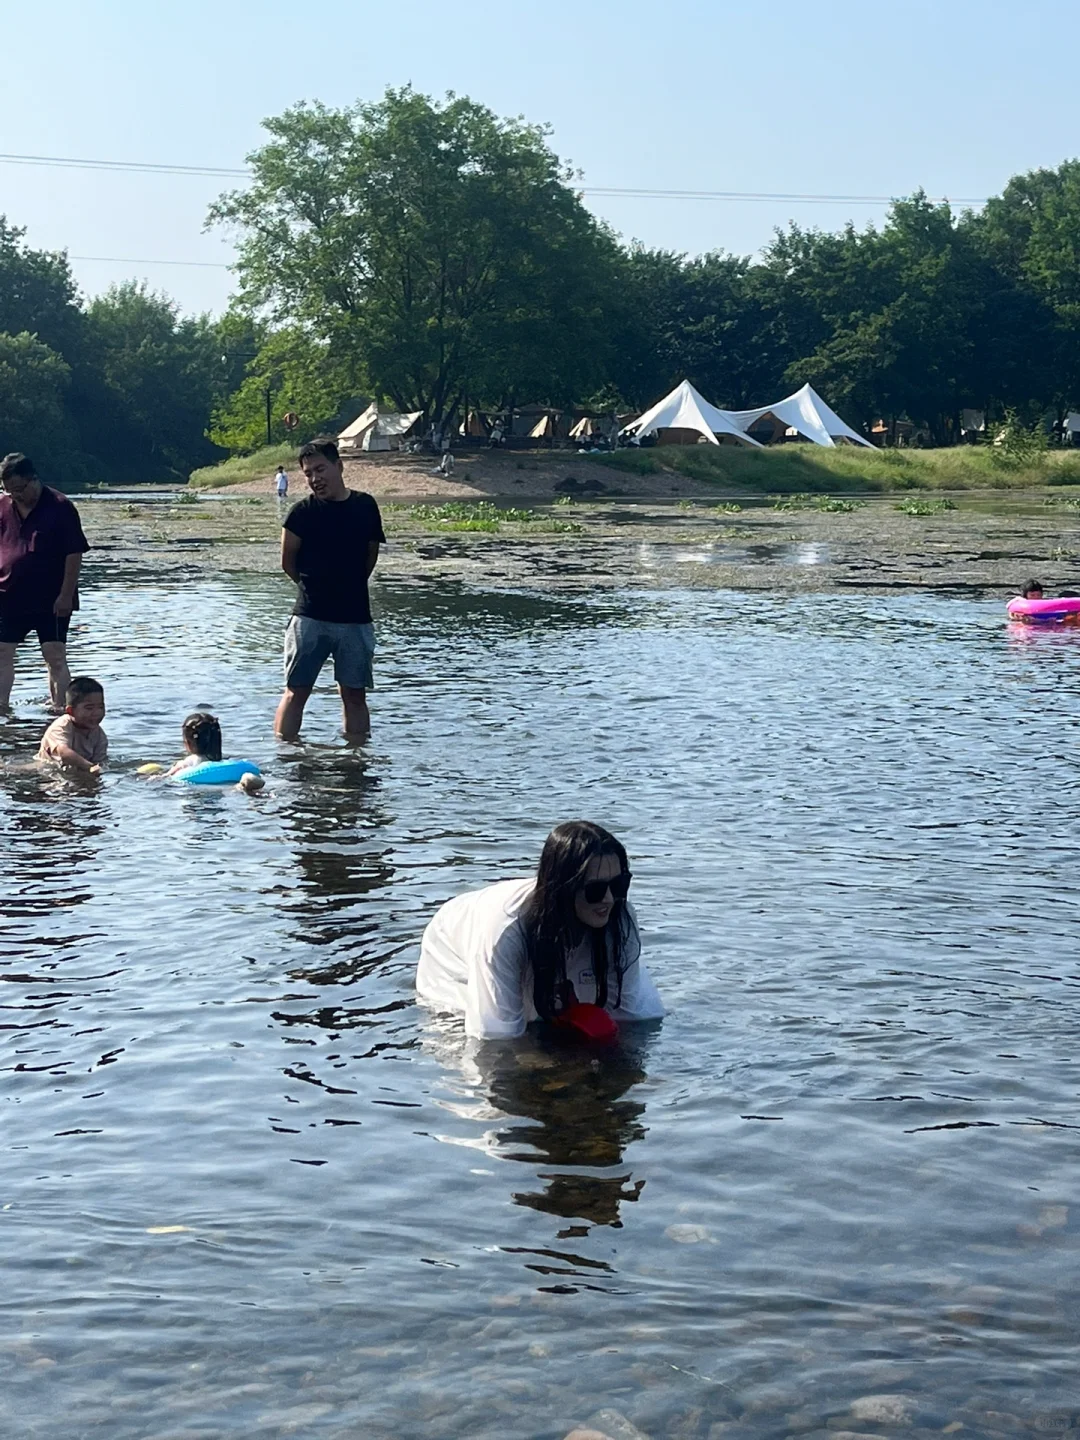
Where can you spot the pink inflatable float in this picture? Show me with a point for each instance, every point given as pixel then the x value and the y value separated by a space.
pixel 1062 611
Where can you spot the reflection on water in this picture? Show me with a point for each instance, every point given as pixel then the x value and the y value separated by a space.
pixel 804 552
pixel 577 1113
pixel 249 1189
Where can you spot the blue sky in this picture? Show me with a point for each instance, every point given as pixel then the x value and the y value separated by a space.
pixel 836 97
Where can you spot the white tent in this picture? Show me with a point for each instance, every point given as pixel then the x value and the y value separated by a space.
pixel 372 431
pixel 805 412
pixel 686 409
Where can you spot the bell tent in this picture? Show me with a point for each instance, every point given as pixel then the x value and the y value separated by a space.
pixel 377 431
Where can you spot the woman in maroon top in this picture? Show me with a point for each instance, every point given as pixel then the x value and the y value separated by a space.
pixel 41 549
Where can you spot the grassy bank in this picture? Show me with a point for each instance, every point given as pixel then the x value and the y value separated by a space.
pixel 244 467
pixel 810 469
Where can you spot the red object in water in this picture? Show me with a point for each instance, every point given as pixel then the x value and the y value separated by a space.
pixel 591 1022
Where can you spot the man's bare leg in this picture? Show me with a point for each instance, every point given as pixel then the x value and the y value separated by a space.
pixel 355 716
pixel 54 653
pixel 7 674
pixel 290 712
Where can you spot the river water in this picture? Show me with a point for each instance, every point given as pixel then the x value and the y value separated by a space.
pixel 249 1188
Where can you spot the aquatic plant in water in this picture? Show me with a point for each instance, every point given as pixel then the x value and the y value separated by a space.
pixel 484 517
pixel 560 527
pixel 924 507
pixel 456 511
pixel 800 500
pixel 836 505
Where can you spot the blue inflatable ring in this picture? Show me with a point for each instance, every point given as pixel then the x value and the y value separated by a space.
pixel 216 772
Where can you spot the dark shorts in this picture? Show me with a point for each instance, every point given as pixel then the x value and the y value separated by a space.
pixel 15 628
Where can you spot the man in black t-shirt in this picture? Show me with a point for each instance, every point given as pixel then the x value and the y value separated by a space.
pixel 329 547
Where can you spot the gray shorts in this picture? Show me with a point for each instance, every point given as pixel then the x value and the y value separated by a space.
pixel 310 643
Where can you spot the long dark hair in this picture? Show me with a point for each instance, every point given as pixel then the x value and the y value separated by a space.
pixel 552 929
pixel 203 733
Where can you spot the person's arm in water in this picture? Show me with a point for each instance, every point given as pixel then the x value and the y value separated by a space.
pixel 290 554
pixel 65 601
pixel 187 763
pixel 64 753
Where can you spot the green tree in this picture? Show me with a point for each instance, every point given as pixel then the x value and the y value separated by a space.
pixel 303 375
pixel 33 383
pixel 1030 235
pixel 161 374
pixel 884 320
pixel 37 292
pixel 434 246
pixel 700 319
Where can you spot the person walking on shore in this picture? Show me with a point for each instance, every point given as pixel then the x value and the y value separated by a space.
pixel 329 547
pixel 281 481
pixel 41 549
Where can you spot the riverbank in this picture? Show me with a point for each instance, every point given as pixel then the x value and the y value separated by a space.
pixel 662 471
pixel 977 542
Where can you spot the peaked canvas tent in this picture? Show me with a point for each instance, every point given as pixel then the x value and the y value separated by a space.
pixel 686 409
pixel 806 412
pixel 475 426
pixel 375 431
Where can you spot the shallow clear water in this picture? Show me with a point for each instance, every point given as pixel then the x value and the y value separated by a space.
pixel 250 1189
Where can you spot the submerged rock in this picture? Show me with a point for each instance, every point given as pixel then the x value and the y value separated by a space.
pixel 1054 1217
pixel 614 1426
pixel 883 1409
pixel 688 1234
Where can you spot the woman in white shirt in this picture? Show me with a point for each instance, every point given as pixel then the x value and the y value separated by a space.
pixel 524 950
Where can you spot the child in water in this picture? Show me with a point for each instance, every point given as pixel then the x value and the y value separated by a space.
pixel 76 739
pixel 201 734
pixel 1033 590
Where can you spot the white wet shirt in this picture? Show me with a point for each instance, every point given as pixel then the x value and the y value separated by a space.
pixel 473 961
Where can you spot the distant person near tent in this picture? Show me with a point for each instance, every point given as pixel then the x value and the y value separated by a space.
pixel 445 467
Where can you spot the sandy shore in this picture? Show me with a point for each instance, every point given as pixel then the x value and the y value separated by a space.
pixel 493 474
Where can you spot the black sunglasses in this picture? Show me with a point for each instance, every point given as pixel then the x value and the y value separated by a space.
pixel 595 890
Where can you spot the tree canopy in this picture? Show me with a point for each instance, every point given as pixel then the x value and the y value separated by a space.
pixel 432 255
pixel 438 250
pixel 120 388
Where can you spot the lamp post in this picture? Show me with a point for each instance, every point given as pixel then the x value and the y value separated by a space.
pixel 252 355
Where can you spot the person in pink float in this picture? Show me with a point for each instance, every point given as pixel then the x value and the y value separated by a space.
pixel 558 946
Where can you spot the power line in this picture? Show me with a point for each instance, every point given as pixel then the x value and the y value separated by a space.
pixel 125 260
pixel 138 166
pixel 624 192
pixel 643 194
